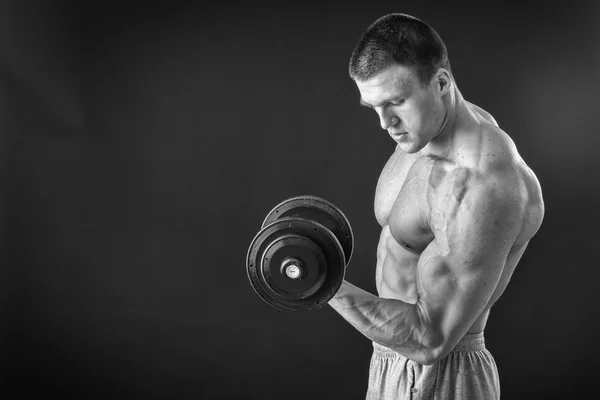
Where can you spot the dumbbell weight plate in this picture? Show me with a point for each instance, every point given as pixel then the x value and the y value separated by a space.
pixel 290 246
pixel 319 210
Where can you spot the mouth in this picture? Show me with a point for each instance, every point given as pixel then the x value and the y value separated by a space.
pixel 399 135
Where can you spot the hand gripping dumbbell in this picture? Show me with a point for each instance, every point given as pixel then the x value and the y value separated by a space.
pixel 298 259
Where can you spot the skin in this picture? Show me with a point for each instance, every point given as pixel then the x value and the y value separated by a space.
pixel 457 206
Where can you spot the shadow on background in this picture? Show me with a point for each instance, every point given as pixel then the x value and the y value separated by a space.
pixel 142 148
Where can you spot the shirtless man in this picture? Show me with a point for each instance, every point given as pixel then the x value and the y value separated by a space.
pixel 457 206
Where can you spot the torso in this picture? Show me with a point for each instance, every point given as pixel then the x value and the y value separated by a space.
pixel 409 184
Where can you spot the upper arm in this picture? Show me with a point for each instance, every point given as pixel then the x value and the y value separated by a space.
pixel 475 223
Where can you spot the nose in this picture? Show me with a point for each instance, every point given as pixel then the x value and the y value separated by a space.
pixel 387 120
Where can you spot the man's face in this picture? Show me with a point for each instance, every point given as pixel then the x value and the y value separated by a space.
pixel 411 113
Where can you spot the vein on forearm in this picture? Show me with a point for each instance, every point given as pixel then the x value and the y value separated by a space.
pixel 392 323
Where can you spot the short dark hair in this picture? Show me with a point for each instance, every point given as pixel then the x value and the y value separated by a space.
pixel 398 39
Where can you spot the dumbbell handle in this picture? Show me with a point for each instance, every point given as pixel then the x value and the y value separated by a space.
pixel 292 268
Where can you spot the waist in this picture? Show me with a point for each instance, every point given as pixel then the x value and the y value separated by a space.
pixel 469 342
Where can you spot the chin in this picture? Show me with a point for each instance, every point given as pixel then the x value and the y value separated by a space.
pixel 408 147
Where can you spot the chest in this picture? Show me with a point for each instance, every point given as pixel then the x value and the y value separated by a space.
pixel 403 198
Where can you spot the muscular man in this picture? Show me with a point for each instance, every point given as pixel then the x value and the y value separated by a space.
pixel 457 206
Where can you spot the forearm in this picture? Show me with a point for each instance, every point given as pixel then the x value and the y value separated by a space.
pixel 392 323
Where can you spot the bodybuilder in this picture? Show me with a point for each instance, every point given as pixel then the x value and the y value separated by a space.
pixel 457 207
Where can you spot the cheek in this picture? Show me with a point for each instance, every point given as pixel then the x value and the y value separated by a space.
pixel 422 115
pixel 419 118
pixel 429 114
pixel 413 117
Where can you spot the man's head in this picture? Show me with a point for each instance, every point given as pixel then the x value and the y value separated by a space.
pixel 401 68
pixel 398 39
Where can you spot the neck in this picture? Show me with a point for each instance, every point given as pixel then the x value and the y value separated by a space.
pixel 440 145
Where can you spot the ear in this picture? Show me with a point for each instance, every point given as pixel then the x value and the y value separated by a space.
pixel 443 81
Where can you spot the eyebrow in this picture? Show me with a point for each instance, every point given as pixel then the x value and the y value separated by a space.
pixel 365 104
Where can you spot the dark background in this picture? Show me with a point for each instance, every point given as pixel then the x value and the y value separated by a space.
pixel 142 146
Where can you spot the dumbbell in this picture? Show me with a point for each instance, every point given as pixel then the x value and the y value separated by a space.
pixel 297 261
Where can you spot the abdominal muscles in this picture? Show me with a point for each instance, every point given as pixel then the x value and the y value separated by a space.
pixel 396 269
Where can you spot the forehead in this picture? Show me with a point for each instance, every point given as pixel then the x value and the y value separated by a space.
pixel 393 81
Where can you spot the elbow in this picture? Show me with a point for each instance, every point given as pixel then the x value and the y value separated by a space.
pixel 428 350
pixel 427 361
pixel 436 349
pixel 431 338
pixel 430 357
pixel 433 349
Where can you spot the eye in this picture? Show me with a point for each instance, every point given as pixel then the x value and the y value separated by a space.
pixel 396 103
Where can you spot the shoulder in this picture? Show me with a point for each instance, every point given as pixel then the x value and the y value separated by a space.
pixel 477 211
pixel 513 183
pixel 482 146
pixel 491 185
pixel 486 182
pixel 496 191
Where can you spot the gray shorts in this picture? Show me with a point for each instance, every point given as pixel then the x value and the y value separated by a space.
pixel 467 372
